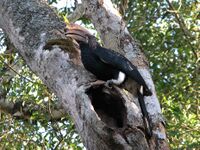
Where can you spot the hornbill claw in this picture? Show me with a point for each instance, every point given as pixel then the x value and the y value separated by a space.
pixel 108 84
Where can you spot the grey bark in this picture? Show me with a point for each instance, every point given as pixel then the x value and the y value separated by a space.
pixel 32 25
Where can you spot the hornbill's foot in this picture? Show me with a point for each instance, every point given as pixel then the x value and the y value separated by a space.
pixel 108 84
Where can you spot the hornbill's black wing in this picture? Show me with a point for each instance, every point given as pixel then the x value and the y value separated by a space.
pixel 122 64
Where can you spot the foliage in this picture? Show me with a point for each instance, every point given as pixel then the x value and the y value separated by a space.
pixel 169 34
pixel 37 132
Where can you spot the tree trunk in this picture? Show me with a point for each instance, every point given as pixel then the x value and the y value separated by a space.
pixel 37 32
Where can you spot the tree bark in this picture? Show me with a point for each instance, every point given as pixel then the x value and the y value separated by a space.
pixel 37 32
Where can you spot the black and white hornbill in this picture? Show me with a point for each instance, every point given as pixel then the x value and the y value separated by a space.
pixel 106 64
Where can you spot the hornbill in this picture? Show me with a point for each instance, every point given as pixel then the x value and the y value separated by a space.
pixel 108 65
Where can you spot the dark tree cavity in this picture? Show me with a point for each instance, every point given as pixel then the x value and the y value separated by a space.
pixel 109 105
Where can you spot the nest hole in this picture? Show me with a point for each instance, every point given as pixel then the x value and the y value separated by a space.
pixel 109 105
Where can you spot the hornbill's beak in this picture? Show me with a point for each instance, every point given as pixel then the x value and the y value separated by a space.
pixel 78 33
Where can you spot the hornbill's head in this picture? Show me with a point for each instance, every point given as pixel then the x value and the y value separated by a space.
pixel 81 35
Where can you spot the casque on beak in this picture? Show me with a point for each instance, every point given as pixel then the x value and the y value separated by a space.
pixel 78 33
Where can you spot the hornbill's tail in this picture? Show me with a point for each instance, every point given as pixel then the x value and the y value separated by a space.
pixel 146 119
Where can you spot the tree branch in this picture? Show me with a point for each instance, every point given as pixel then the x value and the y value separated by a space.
pixel 34 29
pixel 114 34
pixel 78 13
